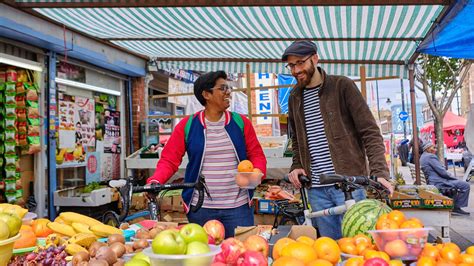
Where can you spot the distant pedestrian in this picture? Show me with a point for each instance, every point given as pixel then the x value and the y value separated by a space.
pixel 403 151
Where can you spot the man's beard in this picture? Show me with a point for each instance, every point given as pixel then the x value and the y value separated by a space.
pixel 309 75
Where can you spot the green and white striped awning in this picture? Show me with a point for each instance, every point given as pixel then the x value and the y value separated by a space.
pixel 205 38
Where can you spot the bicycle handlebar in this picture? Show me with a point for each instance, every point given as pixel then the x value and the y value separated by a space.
pixel 156 187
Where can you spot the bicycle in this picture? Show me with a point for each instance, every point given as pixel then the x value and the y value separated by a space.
pixel 126 188
pixel 300 213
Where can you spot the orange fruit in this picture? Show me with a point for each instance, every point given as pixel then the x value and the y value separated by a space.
pixel 445 263
pixel 470 250
pixel 410 224
pixel 451 253
pixel 305 240
pixel 299 251
pixel 319 262
pixel 425 261
pixel 327 249
pixel 386 224
pixel 430 251
pixel 362 239
pixel 245 166
pixel 345 240
pixel 26 228
pixel 467 258
pixel 453 246
pixel 287 261
pixel 395 263
pixel 362 248
pixel 279 245
pixel 357 261
pixel 349 248
pixel 396 216
pixel 465 264
pixel 416 220
pixel 396 248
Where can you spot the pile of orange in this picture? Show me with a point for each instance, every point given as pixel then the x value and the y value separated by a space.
pixel 393 241
pixel 446 254
pixel 305 251
pixel 356 245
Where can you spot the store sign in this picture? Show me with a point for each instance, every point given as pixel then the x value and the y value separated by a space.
pixel 71 72
pixel 264 98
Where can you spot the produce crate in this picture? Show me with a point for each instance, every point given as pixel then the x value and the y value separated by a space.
pixel 144 154
pixel 430 200
pixel 400 200
pixel 273 147
pixel 75 197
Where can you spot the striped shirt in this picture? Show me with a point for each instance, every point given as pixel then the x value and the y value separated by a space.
pixel 321 161
pixel 220 162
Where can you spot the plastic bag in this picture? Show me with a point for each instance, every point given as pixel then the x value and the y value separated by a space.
pixel 10 100
pixel 34 130
pixel 9 136
pixel 20 101
pixel 31 93
pixel 10 185
pixel 35 145
pixel 20 89
pixel 33 112
pixel 32 104
pixel 33 121
pixel 21 114
pixel 10 124
pixel 10 88
pixel 21 140
pixel 11 197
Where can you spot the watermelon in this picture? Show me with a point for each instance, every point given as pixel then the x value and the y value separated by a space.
pixel 362 217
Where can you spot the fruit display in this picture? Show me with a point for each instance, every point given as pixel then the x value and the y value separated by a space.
pixel 42 256
pixel 362 217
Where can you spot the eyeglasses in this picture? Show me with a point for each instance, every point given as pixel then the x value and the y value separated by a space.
pixel 224 88
pixel 291 66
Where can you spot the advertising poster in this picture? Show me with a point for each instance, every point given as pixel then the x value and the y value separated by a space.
pixel 264 98
pixel 66 116
pixel 110 166
pixel 93 167
pixel 112 140
pixel 84 121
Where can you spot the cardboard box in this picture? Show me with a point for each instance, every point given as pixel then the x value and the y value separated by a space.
pixel 432 200
pixel 243 232
pixel 400 200
pixel 259 219
pixel 266 206
pixel 166 204
pixel 177 204
pixel 139 201
pixel 175 217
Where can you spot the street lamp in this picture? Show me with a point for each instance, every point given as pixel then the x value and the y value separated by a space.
pixel 388 101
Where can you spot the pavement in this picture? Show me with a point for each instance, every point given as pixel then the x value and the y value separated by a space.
pixel 462 227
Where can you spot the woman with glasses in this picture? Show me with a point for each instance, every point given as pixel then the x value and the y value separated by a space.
pixel 215 141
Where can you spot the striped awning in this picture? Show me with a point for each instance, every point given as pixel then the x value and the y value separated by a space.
pixel 382 37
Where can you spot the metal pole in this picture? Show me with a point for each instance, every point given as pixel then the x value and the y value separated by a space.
pixel 378 102
pixel 51 129
pixel 130 115
pixel 416 148
pixel 403 109
pixel 249 93
pixel 363 83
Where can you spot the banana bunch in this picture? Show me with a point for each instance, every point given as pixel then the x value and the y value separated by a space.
pixel 71 223
pixel 13 209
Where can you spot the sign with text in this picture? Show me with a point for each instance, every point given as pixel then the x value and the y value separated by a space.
pixel 264 97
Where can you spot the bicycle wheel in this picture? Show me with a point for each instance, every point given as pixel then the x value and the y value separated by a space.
pixel 111 218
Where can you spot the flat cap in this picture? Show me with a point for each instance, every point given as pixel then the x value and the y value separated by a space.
pixel 300 48
pixel 426 145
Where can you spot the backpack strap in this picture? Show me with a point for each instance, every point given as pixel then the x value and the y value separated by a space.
pixel 187 127
pixel 238 119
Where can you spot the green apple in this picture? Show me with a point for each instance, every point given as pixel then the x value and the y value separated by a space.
pixel 194 232
pixel 137 262
pixel 141 256
pixel 169 242
pixel 195 248
pixel 13 222
pixel 4 230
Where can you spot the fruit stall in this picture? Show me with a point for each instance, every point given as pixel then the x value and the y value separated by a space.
pixel 373 234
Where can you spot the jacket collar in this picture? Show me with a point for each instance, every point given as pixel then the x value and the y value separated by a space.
pixel 298 91
pixel 202 118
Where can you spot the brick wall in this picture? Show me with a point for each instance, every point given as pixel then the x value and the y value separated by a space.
pixel 138 108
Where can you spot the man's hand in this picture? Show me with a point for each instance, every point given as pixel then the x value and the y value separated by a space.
pixel 293 177
pixel 386 184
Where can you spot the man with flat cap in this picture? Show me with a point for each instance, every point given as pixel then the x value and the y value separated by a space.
pixel 334 131
pixel 437 175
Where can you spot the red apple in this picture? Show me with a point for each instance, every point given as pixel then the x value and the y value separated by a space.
pixel 231 248
pixel 210 240
pixel 376 262
pixel 252 258
pixel 218 264
pixel 257 243
pixel 215 229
